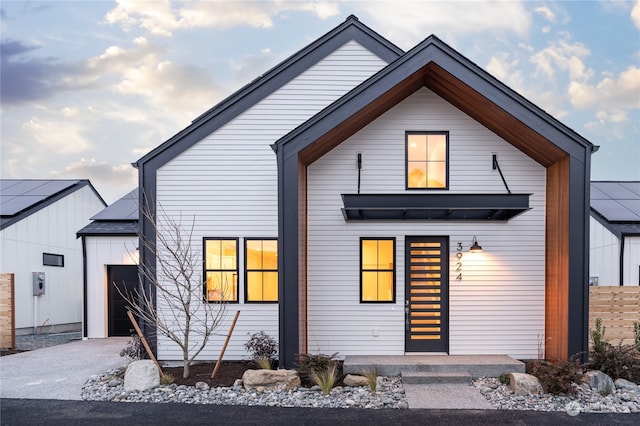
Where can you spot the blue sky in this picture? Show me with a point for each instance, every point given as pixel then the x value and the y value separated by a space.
pixel 88 87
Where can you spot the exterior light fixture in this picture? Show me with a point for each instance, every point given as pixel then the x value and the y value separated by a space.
pixel 475 247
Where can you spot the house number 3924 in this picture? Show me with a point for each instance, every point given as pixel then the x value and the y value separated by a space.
pixel 459 261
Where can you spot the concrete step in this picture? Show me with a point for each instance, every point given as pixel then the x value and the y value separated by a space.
pixel 475 365
pixel 430 378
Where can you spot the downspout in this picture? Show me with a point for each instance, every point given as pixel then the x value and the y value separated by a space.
pixel 85 326
pixel 621 272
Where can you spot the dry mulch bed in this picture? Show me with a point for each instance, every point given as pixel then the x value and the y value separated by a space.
pixel 228 372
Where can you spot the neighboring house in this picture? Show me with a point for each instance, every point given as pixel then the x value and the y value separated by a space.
pixel 336 198
pixel 39 246
pixel 110 247
pixel 615 233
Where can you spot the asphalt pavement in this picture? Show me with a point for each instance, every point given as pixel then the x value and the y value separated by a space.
pixel 71 413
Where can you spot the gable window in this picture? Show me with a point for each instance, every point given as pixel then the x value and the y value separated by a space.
pixel 49 259
pixel 261 270
pixel 221 269
pixel 427 160
pixel 377 270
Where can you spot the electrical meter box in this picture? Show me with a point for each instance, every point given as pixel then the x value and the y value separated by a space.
pixel 38 283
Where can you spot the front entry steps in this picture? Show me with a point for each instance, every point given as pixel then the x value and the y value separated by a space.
pixel 429 378
pixel 437 381
pixel 395 365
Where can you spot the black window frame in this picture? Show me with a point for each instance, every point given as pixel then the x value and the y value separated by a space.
pixel 394 270
pixel 56 256
pixel 406 158
pixel 205 270
pixel 246 272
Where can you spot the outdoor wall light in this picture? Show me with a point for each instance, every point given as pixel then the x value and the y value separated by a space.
pixel 475 247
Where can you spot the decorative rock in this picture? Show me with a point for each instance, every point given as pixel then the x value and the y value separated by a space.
pixel 355 380
pixel 238 384
pixel 525 384
pixel 626 385
pixel 202 386
pixel 271 379
pixel 599 381
pixel 114 382
pixel 141 375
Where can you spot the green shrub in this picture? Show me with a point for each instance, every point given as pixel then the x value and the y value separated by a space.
pixel 263 349
pixel 308 363
pixel 557 377
pixel 617 361
pixel 325 378
pixel 504 379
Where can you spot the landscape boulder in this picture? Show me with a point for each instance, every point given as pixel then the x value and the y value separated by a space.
pixel 355 380
pixel 271 379
pixel 599 382
pixel 624 384
pixel 524 384
pixel 141 375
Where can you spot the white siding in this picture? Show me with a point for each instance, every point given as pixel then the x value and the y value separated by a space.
pixel 631 261
pixel 103 251
pixel 50 230
pixel 229 179
pixel 604 254
pixel 498 306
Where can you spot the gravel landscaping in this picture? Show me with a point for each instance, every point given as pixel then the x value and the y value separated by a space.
pixel 390 394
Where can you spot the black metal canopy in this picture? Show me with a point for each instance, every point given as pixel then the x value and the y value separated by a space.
pixel 494 207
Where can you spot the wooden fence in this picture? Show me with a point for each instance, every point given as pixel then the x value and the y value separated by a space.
pixel 7 313
pixel 618 307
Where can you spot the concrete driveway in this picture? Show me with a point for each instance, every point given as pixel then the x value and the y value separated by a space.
pixel 59 372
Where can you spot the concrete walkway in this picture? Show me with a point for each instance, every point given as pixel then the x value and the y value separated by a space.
pixel 446 396
pixel 59 372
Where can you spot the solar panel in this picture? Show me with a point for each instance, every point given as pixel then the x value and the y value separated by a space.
pixel 17 195
pixel 125 208
pixel 616 201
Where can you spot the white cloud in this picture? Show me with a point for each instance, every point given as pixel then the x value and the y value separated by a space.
pixel 408 22
pixel 162 18
pixel 621 92
pixel 565 56
pixel 61 136
pixel 635 14
pixel 546 13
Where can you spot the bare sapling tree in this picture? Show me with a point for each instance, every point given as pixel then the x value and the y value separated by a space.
pixel 179 310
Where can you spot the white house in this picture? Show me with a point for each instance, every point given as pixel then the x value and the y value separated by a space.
pixel 615 233
pixel 39 221
pixel 110 244
pixel 337 196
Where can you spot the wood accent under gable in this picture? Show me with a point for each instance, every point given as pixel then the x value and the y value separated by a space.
pixel 557 261
pixel 493 117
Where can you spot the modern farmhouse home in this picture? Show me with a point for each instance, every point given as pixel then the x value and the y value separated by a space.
pixel 39 248
pixel 364 200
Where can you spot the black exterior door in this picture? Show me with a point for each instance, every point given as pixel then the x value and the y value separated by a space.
pixel 427 294
pixel 126 278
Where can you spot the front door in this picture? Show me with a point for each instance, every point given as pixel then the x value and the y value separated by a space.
pixel 126 278
pixel 427 294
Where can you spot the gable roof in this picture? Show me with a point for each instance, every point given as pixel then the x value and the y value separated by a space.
pixel 120 218
pixel 616 205
pixel 20 198
pixel 437 66
pixel 278 76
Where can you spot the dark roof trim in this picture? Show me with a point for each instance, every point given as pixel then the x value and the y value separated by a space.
pixel 619 229
pixel 493 207
pixel 281 74
pixel 81 183
pixel 109 228
pixel 409 73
